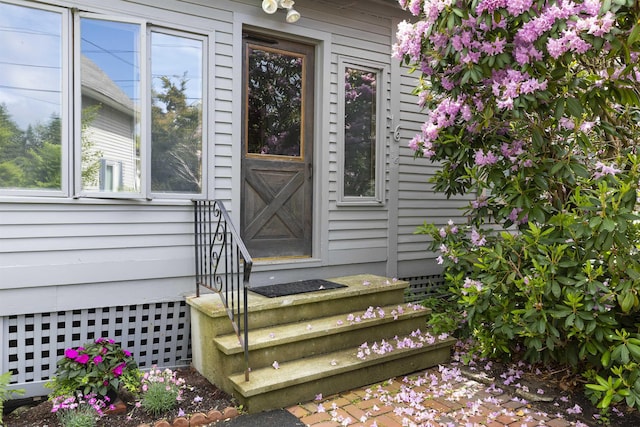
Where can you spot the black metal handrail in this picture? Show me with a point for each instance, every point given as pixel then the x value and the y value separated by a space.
pixel 223 265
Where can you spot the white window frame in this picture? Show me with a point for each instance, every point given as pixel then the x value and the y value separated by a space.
pixel 77 98
pixel 381 72
pixel 205 112
pixel 65 106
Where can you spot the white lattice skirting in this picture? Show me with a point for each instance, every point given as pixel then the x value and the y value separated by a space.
pixel 156 334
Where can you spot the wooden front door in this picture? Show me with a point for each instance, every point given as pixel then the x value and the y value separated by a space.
pixel 277 159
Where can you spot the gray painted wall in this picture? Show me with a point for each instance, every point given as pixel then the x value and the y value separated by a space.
pixel 64 253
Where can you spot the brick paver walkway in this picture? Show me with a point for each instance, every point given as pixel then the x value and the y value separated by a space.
pixel 436 397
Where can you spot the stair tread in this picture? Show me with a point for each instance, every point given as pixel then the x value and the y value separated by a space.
pixel 290 332
pixel 322 366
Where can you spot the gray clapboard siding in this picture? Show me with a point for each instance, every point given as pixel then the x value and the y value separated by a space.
pixel 355 243
pixel 50 245
pixel 416 199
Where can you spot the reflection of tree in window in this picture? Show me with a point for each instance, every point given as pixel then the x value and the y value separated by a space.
pixel 29 158
pixel 359 133
pixel 176 132
pixel 274 103
pixel 30 125
pixel 90 155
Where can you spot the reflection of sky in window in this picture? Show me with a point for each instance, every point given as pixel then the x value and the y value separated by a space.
pixel 177 57
pixel 31 60
pixel 114 46
pixel 30 63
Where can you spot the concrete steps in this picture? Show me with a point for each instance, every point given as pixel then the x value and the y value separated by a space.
pixel 301 380
pixel 297 340
pixel 315 342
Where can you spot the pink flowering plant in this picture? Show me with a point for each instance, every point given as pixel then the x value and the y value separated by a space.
pixel 533 111
pixel 99 368
pixel 79 410
pixel 161 390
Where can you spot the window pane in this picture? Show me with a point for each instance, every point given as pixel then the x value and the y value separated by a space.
pixel 274 107
pixel 176 130
pixel 359 133
pixel 110 77
pixel 30 98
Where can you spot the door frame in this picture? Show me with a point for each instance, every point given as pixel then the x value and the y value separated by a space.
pixel 266 177
pixel 259 23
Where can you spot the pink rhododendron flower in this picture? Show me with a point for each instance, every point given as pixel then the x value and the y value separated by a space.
pixel 477 239
pixel 602 170
pixel 70 353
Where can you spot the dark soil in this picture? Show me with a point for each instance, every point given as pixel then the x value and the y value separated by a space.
pixel 564 391
pixel 197 387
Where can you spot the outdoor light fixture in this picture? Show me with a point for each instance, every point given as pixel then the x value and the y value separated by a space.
pixel 292 15
pixel 271 6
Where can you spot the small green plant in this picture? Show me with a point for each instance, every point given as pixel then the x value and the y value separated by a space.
pixel 5 392
pixel 161 390
pixel 98 367
pixel 78 411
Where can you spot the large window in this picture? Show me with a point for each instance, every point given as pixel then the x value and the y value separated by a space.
pixel 362 138
pixel 134 127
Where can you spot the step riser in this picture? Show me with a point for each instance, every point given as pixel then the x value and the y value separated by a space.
pixel 345 381
pixel 374 332
pixel 312 310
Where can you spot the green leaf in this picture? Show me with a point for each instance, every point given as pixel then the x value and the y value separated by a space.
pixel 537 137
pixel 624 354
pixel 597 387
pixel 608 224
pixel 560 311
pixel 555 289
pixel 580 170
pixel 579 324
pixel 574 107
pixel 451 21
pixel 556 168
pixel 559 109
pixel 569 320
pixel 634 350
pixel 626 301
pixel 595 221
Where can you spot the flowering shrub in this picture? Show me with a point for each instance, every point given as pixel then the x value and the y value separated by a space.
pixel 95 368
pixel 161 390
pixel 534 108
pixel 79 410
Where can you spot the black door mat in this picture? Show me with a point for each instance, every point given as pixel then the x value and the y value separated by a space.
pixel 292 288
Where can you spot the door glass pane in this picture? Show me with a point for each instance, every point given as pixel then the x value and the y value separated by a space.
pixel 176 129
pixel 110 78
pixel 30 98
pixel 274 102
pixel 359 133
